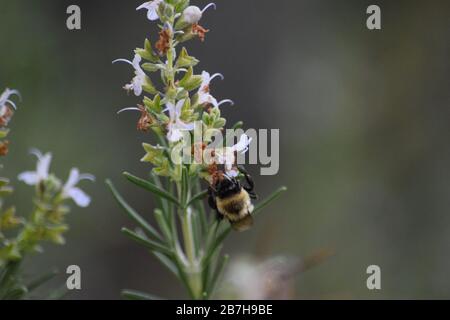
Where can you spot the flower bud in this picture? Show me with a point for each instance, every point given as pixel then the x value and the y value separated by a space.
pixel 192 14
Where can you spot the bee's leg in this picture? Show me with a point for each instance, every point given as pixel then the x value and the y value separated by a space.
pixel 212 203
pixel 252 195
pixel 251 184
pixel 212 199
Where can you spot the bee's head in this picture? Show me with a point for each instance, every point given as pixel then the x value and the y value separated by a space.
pixel 227 187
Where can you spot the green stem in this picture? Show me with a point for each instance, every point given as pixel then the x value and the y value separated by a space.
pixel 193 269
pixel 188 237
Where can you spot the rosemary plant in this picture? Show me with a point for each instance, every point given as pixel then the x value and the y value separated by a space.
pixel 20 237
pixel 187 239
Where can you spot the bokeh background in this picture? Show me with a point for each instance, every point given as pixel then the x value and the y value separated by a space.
pixel 364 119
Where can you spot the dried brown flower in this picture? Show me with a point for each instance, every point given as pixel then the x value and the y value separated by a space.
pixel 145 121
pixel 4 148
pixel 163 44
pixel 199 31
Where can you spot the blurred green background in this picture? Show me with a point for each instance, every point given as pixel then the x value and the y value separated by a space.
pixel 364 118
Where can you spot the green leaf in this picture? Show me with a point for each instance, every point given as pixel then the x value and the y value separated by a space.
pixel 185 60
pixel 198 196
pixel 4 133
pixel 4 182
pixel 153 105
pixel 181 5
pixel 138 295
pixel 6 191
pixel 132 213
pixel 190 82
pixel 200 207
pixel 16 293
pixel 150 67
pixel 238 125
pixel 41 280
pixel 168 263
pixel 264 203
pixel 147 53
pixel 151 187
pixel 154 155
pixel 161 201
pixel 149 86
pixel 184 186
pixel 220 123
pixel 149 244
pixel 160 219
pixel 9 220
pixel 59 293
pixel 8 277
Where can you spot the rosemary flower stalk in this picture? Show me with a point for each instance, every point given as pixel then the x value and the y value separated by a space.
pixel 188 240
pixel 20 237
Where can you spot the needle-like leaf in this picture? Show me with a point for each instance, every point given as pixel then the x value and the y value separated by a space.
pixel 167 262
pixel 151 187
pixel 275 195
pixel 138 295
pixel 41 280
pixel 132 213
pixel 149 244
pixel 198 196
pixel 238 125
pixel 16 293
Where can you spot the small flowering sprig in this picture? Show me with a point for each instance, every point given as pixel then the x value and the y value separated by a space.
pixel 19 236
pixel 173 109
pixel 7 107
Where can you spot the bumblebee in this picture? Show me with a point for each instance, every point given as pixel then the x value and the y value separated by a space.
pixel 232 200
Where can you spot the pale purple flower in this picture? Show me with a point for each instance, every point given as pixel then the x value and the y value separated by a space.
pixel 139 80
pixel 176 126
pixel 5 100
pixel 76 194
pixel 227 155
pixel 152 9
pixel 42 169
pixel 204 95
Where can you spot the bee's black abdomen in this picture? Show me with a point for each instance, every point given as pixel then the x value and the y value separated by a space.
pixel 234 207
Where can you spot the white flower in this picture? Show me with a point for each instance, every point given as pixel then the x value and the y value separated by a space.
pixel 139 80
pixel 176 126
pixel 76 194
pixel 42 169
pixel 5 99
pixel 193 14
pixel 204 95
pixel 152 7
pixel 227 155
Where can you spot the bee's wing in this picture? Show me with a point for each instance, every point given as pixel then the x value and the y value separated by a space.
pixel 243 224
